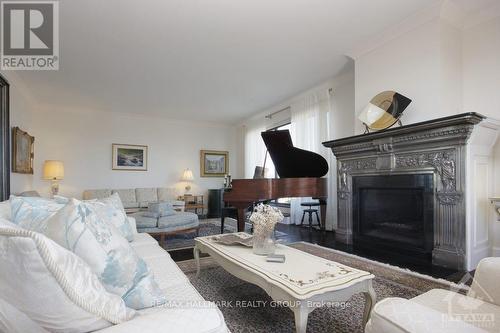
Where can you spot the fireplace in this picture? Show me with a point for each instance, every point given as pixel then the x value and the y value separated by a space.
pixel 442 165
pixel 394 212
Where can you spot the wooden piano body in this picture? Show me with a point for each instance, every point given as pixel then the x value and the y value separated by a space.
pixel 245 192
pixel 301 173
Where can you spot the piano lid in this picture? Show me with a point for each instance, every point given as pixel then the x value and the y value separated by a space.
pixel 292 162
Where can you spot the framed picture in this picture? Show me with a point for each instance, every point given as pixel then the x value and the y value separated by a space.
pixel 214 163
pixel 130 157
pixel 22 151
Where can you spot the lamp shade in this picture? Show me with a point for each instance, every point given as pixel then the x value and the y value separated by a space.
pixel 187 176
pixel 53 170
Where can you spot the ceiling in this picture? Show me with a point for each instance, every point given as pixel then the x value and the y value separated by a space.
pixel 212 60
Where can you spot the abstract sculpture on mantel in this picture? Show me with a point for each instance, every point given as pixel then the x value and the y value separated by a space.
pixel 384 111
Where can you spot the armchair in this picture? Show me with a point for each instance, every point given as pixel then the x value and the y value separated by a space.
pixel 440 310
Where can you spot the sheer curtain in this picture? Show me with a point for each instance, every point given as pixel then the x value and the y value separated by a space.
pixel 255 150
pixel 310 127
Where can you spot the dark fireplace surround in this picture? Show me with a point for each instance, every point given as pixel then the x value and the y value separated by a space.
pixel 403 188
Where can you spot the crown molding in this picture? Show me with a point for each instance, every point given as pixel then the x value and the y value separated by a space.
pixel 446 11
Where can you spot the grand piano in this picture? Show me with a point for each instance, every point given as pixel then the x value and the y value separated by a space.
pixel 300 173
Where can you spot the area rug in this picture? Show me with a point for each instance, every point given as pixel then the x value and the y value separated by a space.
pixel 208 227
pixel 215 284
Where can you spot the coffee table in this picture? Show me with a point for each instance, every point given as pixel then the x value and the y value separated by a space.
pixel 303 283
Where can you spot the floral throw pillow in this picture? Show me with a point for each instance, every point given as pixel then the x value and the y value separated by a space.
pixel 79 228
pixel 110 210
pixel 32 213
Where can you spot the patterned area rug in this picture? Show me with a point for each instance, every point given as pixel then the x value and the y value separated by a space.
pixel 258 314
pixel 208 227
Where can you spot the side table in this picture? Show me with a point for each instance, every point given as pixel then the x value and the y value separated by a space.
pixel 193 202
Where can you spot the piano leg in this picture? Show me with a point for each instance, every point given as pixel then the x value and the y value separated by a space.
pixel 322 207
pixel 241 219
pixel 241 207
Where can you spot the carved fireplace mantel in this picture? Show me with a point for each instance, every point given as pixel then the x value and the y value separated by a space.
pixel 435 147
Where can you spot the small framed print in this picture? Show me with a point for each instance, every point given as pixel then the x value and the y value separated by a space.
pixel 22 151
pixel 130 157
pixel 214 163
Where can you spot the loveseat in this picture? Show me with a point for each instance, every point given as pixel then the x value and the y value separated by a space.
pixel 184 311
pixel 440 310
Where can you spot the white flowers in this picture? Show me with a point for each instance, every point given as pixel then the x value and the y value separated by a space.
pixel 264 218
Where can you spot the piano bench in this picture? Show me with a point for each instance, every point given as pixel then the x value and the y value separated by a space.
pixel 310 211
pixel 310 204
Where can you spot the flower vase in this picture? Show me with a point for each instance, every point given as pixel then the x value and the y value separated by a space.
pixel 263 242
pixel 264 219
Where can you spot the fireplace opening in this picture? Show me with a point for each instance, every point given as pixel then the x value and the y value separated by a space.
pixel 394 212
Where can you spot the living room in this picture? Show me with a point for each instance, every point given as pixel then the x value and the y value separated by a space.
pixel 362 147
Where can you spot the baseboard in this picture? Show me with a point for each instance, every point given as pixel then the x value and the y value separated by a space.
pixel 495 251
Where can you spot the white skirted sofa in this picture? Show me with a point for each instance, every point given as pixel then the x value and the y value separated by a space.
pixel 442 310
pixel 184 311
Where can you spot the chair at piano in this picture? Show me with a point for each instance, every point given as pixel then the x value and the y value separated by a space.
pixel 300 173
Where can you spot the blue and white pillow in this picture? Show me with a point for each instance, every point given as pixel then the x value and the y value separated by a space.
pixel 32 213
pixel 79 228
pixel 161 208
pixel 110 210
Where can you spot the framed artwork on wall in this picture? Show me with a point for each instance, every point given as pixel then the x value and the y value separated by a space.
pixel 22 151
pixel 214 163
pixel 130 157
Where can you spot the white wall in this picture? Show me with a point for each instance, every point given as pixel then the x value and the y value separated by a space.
pixel 481 68
pixel 423 64
pixel 495 221
pixel 343 104
pixel 20 113
pixel 481 84
pixel 82 140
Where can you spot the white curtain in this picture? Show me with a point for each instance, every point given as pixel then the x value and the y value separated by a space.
pixel 310 127
pixel 255 150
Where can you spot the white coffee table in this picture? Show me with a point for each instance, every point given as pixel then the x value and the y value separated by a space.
pixel 303 283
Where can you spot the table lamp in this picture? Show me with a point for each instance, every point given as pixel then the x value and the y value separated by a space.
pixel 187 176
pixel 54 171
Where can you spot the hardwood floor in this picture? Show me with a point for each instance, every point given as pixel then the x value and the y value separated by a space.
pixel 293 233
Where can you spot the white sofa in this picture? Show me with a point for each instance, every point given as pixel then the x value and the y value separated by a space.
pixel 136 198
pixel 185 310
pixel 442 310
